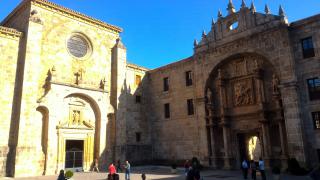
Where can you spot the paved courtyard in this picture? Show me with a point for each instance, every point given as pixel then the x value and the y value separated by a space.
pixel 163 173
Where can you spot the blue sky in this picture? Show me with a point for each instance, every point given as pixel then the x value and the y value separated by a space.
pixel 158 32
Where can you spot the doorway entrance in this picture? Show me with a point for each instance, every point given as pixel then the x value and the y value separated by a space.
pixel 74 154
pixel 249 146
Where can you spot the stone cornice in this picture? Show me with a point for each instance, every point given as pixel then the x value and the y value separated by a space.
pixel 71 13
pixel 9 32
pixel 134 66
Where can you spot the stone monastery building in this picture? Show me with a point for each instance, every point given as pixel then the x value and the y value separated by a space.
pixel 68 95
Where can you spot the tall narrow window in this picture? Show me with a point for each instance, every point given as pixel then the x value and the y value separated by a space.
pixel 167 110
pixel 188 78
pixel 307 47
pixel 138 136
pixel 316 119
pixel 138 99
pixel 166 84
pixel 190 107
pixel 314 88
pixel 138 80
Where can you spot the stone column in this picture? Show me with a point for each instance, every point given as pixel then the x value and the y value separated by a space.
pixel 213 151
pixel 293 122
pixel 226 132
pixel 224 123
pixel 266 142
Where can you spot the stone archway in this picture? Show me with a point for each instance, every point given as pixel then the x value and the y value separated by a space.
pixel 79 127
pixel 242 98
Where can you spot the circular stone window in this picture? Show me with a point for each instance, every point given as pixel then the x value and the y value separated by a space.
pixel 78 46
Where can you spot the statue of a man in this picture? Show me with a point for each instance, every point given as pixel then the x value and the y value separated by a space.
pixel 275 83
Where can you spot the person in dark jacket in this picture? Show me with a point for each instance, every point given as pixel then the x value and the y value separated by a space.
pixel 253 168
pixel 61 175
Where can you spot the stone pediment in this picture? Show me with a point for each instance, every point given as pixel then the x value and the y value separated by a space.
pixel 76 125
pixel 245 21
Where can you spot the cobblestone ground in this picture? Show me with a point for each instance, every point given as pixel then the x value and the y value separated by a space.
pixel 161 173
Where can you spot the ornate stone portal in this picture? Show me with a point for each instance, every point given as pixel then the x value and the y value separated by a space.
pixel 243 104
pixel 77 127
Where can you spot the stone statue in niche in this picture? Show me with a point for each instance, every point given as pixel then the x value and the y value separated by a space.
pixel 76 118
pixel 209 100
pixel 275 84
pixel 209 97
pixel 243 93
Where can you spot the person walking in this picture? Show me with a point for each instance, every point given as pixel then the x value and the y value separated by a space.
pixel 253 168
pixel 96 165
pixel 127 170
pixel 244 166
pixel 261 169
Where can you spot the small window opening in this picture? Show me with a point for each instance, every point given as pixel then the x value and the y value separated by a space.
pixel 234 25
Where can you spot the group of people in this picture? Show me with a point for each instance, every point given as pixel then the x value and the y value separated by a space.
pixel 113 170
pixel 253 167
pixel 192 171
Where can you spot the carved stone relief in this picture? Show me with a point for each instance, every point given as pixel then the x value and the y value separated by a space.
pixel 243 93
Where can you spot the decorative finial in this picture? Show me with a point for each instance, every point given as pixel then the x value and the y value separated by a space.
pixel 212 22
pixel 204 34
pixel 195 43
pixel 219 14
pixel 231 8
pixel 253 8
pixel 281 12
pixel 243 4
pixel 267 9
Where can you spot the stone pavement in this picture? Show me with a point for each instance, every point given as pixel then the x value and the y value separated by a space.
pixel 161 173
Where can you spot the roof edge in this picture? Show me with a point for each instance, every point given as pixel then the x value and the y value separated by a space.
pixel 62 9
pixel 306 20
pixel 137 67
pixel 10 32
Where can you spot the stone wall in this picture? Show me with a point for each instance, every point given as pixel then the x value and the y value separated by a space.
pixel 307 68
pixel 44 59
pixel 175 138
pixel 138 149
pixel 9 47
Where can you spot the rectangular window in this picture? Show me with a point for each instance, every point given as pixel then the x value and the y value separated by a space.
pixel 138 136
pixel 138 99
pixel 138 80
pixel 190 106
pixel 316 119
pixel 188 78
pixel 166 84
pixel 307 47
pixel 167 110
pixel 314 88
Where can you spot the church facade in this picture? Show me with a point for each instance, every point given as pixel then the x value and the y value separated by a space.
pixel 251 89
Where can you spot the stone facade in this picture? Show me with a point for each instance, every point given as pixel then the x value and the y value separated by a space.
pixel 249 82
pixel 67 89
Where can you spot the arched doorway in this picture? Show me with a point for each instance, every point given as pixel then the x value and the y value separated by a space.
pixel 78 133
pixel 243 106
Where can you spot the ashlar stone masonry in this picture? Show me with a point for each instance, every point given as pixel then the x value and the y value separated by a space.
pixel 251 89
